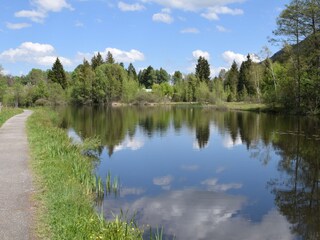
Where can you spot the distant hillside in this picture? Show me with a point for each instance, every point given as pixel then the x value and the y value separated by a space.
pixel 306 48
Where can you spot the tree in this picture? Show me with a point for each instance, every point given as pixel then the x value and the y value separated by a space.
pixel 192 84
pixel 177 77
pixel 162 76
pixel 246 83
pixel 203 70
pixel 290 24
pixel 83 78
pixel 57 74
pixel 96 61
pixel 110 59
pixel 231 81
pixel 132 74
pixel 148 77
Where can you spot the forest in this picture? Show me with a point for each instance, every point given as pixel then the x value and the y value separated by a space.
pixel 288 80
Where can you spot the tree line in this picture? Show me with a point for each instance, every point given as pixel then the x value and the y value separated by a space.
pixel 290 79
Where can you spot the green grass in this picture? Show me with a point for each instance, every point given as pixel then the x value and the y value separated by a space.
pixel 66 187
pixel 244 106
pixel 7 113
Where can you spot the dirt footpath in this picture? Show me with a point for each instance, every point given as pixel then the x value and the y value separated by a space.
pixel 15 180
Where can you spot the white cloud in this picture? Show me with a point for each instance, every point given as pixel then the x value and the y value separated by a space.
pixel 216 70
pixel 163 181
pixel 164 16
pixel 230 56
pixel 124 56
pixel 130 7
pixel 34 15
pixel 132 144
pixel 212 185
pixel 229 143
pixel 190 30
pixel 78 24
pixel 210 9
pixel 191 214
pixel 213 13
pixel 51 6
pixel 36 53
pixel 193 5
pixel 221 28
pixel 42 7
pixel 199 53
pixel 17 26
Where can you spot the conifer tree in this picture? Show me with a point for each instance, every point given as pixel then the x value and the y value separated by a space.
pixel 57 74
pixel 132 72
pixel 96 61
pixel 231 82
pixel 110 59
pixel 203 70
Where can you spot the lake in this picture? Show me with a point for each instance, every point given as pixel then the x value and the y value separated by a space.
pixel 206 174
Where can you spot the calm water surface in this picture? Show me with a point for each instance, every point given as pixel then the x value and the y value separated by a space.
pixel 205 174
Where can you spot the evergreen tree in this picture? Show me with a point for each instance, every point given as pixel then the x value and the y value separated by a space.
pixel 110 59
pixel 203 70
pixel 148 77
pixel 132 72
pixel 177 77
pixel 96 61
pixel 162 76
pixel 231 81
pixel 57 74
pixel 246 81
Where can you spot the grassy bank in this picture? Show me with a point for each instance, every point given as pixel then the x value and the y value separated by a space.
pixel 66 186
pixel 7 113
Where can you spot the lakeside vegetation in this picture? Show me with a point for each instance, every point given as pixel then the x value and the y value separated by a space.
pixel 6 113
pixel 66 186
pixel 289 80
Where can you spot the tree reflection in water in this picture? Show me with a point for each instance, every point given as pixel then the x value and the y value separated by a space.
pixel 296 140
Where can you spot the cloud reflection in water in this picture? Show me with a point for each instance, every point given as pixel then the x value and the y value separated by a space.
pixel 193 214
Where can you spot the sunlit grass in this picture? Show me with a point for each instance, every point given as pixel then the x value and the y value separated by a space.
pixel 7 113
pixel 66 186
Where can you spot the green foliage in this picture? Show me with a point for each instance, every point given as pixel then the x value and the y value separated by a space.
pixel 202 93
pixel 132 74
pixel 130 89
pixel 162 76
pixel 231 82
pixel 180 90
pixel 203 70
pixel 192 84
pixel 34 77
pixel 177 77
pixel 163 90
pixel 147 77
pixel 96 61
pixel 110 59
pixel 3 88
pixel 57 74
pixel 246 79
pixel 6 113
pixel 83 81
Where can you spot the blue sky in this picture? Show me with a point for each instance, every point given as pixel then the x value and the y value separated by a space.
pixel 163 33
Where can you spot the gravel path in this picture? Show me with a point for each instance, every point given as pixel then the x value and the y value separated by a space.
pixel 15 180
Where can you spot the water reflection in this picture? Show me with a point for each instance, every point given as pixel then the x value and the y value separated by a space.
pixel 254 176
